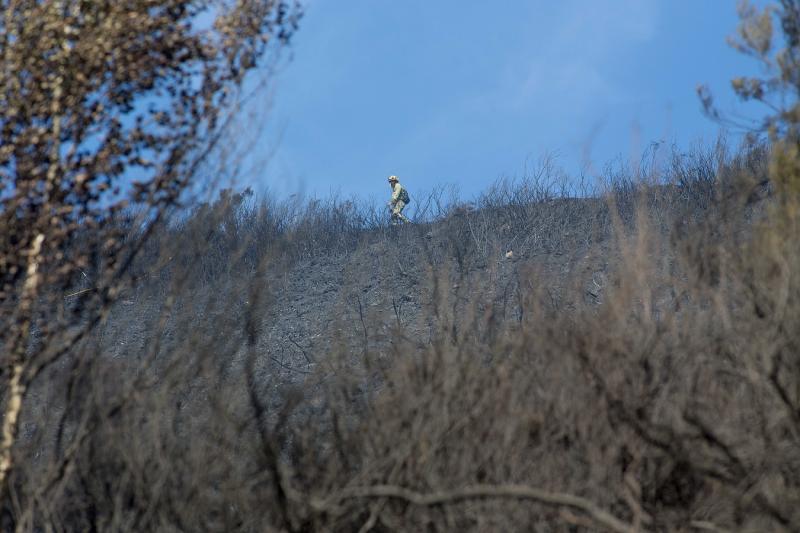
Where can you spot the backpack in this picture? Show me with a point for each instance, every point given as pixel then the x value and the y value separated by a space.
pixel 404 197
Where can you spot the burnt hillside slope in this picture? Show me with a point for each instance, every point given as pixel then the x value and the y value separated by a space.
pixel 388 283
pixel 631 365
pixel 303 281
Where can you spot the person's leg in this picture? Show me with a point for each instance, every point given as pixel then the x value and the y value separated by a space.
pixel 397 212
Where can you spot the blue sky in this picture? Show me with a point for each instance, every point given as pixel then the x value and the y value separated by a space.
pixel 455 91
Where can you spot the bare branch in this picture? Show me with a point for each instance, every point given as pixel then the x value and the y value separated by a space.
pixel 517 492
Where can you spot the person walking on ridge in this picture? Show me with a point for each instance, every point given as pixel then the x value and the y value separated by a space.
pixel 399 201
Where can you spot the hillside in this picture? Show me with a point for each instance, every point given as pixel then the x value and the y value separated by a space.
pixel 313 368
pixel 389 284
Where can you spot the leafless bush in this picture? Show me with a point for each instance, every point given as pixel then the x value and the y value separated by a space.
pixel 634 413
pixel 671 405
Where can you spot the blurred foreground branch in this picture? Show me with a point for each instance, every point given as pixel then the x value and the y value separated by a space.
pixel 518 492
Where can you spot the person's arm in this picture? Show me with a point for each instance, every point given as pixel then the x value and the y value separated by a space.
pixel 396 193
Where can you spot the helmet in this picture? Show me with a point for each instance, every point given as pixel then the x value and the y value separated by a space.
pixel 393 179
